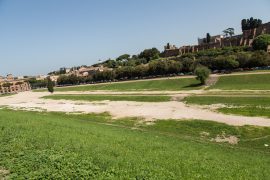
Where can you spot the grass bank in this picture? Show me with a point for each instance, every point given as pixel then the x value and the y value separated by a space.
pixel 229 100
pixel 56 145
pixel 242 82
pixel 140 85
pixel 101 97
pixel 246 106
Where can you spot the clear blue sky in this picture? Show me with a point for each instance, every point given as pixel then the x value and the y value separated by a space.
pixel 38 36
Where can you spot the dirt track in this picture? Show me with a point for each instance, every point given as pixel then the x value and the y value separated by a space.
pixel 148 111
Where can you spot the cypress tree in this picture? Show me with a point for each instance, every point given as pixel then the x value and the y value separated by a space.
pixel 50 85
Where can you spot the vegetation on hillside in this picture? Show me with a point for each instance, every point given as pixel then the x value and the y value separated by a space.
pixel 261 42
pixel 151 62
pixel 146 64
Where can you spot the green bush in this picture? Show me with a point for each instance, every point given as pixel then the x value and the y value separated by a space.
pixel 261 42
pixel 50 85
pixel 202 73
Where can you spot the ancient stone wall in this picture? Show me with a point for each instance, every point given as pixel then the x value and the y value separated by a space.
pixel 245 39
pixel 171 52
pixel 14 87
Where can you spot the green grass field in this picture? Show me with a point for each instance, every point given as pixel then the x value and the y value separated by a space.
pixel 147 85
pixel 229 100
pixel 90 97
pixel 58 146
pixel 240 82
pixel 246 106
pixel 3 95
pixel 247 111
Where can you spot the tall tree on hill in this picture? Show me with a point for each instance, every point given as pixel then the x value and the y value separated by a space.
pixel 208 38
pixel 150 54
pixel 50 85
pixel 123 57
pixel 229 32
pixel 250 23
pixel 244 24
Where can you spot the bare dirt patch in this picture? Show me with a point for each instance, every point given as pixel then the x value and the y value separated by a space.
pixel 226 139
pixel 4 173
pixel 149 111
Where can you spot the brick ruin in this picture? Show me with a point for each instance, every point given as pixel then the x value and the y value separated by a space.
pixel 219 41
pixel 10 85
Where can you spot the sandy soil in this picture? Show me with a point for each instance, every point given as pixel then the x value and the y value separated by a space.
pixel 149 111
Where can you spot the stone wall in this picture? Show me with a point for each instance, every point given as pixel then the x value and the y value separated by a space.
pixel 244 39
pixel 14 87
pixel 171 52
pixel 249 35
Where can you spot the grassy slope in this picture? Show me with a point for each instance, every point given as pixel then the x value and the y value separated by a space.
pixel 248 106
pixel 151 85
pixel 55 145
pixel 91 97
pixel 229 100
pixel 240 82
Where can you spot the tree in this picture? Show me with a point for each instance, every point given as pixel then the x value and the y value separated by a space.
pixel 150 54
pixel 123 57
pixel 202 73
pixel 243 59
pixel 261 42
pixel 250 23
pixel 244 24
pixel 188 64
pixel 50 85
pixel 208 38
pixel 229 32
pixel 158 67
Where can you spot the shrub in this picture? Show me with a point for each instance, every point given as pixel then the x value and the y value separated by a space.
pixel 202 73
pixel 50 85
pixel 258 59
pixel 261 42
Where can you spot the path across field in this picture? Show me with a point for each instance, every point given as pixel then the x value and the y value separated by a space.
pixel 148 111
pixel 163 107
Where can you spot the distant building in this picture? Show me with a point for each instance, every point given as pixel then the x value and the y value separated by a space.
pixel 10 77
pixel 219 41
pixel 213 39
pixel 2 79
pixel 41 77
pixel 20 77
pixel 268 48
pixel 87 71
pixel 54 78
pixel 68 70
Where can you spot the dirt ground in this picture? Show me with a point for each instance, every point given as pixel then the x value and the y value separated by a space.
pixel 150 111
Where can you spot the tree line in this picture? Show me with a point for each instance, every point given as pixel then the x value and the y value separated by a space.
pixel 226 59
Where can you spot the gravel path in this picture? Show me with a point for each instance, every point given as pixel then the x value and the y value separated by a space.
pixel 149 111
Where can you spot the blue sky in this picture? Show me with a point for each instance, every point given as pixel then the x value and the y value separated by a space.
pixel 38 36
